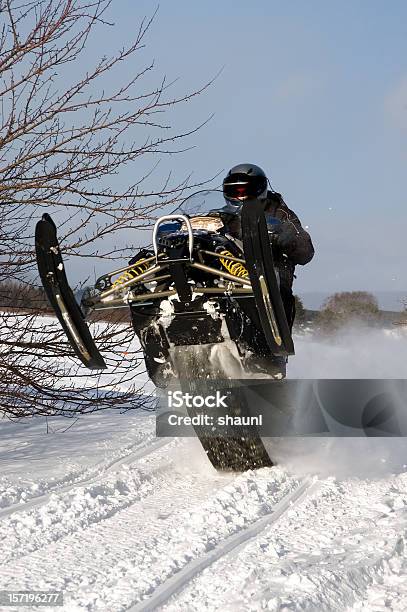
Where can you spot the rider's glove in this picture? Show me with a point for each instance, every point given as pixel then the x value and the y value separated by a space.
pixel 284 236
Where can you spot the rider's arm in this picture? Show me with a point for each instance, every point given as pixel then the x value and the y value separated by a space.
pixel 297 242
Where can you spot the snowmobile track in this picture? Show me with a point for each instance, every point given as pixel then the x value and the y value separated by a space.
pixel 142 450
pixel 177 582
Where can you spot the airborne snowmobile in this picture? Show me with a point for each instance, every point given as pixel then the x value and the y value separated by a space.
pixel 204 304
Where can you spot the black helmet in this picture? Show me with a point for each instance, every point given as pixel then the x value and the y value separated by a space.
pixel 244 182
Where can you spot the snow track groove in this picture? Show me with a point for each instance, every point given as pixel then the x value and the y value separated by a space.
pixel 98 472
pixel 122 560
pixel 53 516
pixel 343 548
pixel 177 582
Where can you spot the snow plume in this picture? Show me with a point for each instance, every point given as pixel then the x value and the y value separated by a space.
pixel 206 361
pixel 355 353
pixel 339 457
pixel 190 457
pixel 352 353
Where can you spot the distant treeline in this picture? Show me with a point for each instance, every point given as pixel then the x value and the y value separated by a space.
pixel 344 307
pixel 337 310
pixel 23 296
pixel 30 298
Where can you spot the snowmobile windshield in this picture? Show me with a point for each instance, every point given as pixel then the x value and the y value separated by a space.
pixel 202 203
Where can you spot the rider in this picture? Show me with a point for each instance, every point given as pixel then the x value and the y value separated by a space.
pixel 291 243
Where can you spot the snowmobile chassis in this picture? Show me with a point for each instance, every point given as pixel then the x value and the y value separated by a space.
pixel 170 266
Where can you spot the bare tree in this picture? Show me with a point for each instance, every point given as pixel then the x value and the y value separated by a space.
pixel 68 130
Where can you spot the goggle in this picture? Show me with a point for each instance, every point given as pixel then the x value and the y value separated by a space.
pixel 236 190
pixel 243 188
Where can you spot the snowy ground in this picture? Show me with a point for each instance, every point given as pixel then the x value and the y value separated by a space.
pixel 119 520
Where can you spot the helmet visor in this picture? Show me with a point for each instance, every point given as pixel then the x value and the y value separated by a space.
pixel 242 186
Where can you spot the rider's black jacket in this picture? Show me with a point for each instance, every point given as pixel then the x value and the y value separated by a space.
pixel 300 249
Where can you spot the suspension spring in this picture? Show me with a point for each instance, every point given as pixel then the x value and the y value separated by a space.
pixel 138 268
pixel 233 267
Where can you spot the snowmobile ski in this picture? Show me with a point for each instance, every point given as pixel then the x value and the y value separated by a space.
pixel 259 263
pixel 60 295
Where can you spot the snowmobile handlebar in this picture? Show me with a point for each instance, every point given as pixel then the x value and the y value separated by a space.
pixel 182 218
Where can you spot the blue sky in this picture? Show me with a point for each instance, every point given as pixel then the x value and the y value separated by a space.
pixel 314 92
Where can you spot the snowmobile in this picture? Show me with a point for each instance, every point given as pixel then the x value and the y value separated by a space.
pixel 204 304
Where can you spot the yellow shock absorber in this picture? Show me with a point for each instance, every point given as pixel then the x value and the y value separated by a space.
pixel 233 267
pixel 139 267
